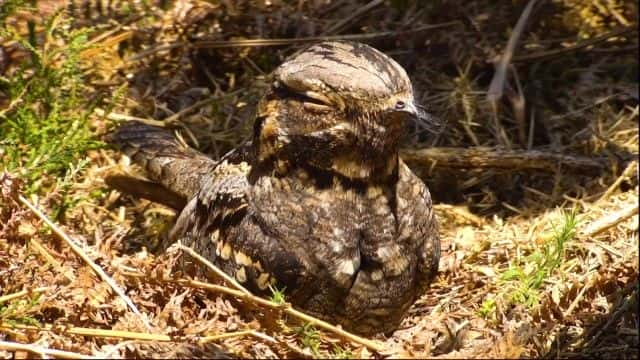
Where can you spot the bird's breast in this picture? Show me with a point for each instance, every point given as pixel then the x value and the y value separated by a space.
pixel 340 227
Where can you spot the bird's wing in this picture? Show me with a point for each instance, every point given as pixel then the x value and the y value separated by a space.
pixel 219 204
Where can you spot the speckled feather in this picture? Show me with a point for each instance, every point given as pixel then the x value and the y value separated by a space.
pixel 319 201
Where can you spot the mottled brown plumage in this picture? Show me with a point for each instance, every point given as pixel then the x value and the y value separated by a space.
pixel 318 202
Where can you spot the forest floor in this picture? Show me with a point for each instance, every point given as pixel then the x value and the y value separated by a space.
pixel 534 174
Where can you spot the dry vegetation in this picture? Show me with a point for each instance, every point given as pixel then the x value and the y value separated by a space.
pixel 536 188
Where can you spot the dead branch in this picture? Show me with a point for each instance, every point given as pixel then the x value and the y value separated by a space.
pixel 631 168
pixel 132 335
pixel 213 268
pixel 611 220
pixel 93 332
pixel 496 87
pixel 22 293
pixel 495 158
pixel 40 249
pixel 216 44
pixel 550 54
pixel 42 351
pixel 350 19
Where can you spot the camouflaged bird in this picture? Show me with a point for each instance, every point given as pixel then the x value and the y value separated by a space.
pixel 318 203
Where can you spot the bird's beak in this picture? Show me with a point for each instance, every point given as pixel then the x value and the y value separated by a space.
pixel 412 110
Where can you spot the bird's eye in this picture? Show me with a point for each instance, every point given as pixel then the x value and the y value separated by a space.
pixel 400 105
pixel 316 102
pixel 311 100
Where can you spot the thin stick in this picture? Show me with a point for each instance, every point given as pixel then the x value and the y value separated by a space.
pixel 338 331
pixel 45 253
pixel 93 51
pixel 303 40
pixel 546 55
pixel 264 337
pixel 197 105
pixel 212 44
pixel 211 338
pixel 34 349
pixel 123 117
pixel 496 158
pixel 93 332
pixel 625 174
pixel 286 308
pixel 610 220
pixel 577 300
pixel 193 284
pixel 460 211
pixel 22 293
pixel 496 88
pixel 214 268
pixel 244 294
pixel 349 19
pixel 86 258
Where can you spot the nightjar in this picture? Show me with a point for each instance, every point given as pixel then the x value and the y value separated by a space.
pixel 318 202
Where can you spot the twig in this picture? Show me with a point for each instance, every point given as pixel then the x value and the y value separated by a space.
pixel 349 19
pixel 610 220
pixel 496 88
pixel 244 294
pixel 169 119
pixel 546 55
pixel 625 174
pixel 213 268
pixel 179 114
pixel 217 44
pixel 123 117
pixel 45 253
pixel 196 285
pixel 326 326
pixel 86 258
pixel 304 40
pixel 264 337
pixel 577 300
pixel 34 349
pixel 496 158
pixel 93 332
pixel 131 335
pixel 211 338
pixel 460 211
pixel 22 293
pixel 93 51
pixel 608 248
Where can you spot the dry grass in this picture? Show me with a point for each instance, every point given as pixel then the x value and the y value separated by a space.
pixel 535 263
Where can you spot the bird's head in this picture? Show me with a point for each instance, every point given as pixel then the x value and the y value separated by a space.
pixel 336 106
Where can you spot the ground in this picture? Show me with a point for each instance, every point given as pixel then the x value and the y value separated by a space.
pixel 533 170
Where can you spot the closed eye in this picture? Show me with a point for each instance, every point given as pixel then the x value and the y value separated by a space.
pixel 310 100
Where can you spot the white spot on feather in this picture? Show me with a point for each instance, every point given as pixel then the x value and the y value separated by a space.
pixel 347 267
pixel 377 275
pixel 241 275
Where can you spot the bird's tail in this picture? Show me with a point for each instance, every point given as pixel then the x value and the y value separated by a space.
pixel 177 168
